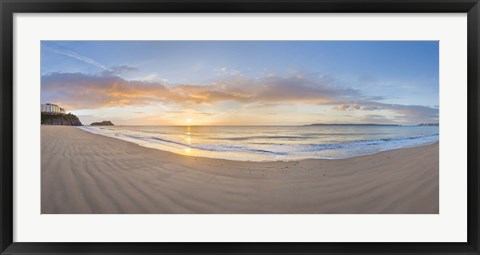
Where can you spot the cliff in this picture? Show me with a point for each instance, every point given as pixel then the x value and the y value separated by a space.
pixel 61 119
pixel 103 123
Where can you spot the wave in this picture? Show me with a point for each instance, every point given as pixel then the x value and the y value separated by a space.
pixel 244 138
pixel 409 140
pixel 206 147
pixel 277 150
pixel 220 148
pixel 301 136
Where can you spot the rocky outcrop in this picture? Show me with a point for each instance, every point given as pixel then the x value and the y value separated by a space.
pixel 60 119
pixel 428 124
pixel 103 123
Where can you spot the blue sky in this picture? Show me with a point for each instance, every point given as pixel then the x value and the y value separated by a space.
pixel 249 82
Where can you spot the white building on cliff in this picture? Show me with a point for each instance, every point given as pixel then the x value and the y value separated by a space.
pixel 52 109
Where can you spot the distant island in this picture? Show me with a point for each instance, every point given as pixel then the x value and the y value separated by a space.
pixel 350 124
pixel 103 123
pixel 428 125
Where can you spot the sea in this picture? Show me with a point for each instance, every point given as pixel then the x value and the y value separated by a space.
pixel 271 143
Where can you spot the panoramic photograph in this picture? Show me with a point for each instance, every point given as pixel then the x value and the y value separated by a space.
pixel 239 127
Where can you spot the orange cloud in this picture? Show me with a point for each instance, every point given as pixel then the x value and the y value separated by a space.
pixel 84 91
pixel 344 107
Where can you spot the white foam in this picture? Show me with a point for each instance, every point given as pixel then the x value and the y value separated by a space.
pixel 242 148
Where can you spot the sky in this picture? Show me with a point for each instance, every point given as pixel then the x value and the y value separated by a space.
pixel 243 82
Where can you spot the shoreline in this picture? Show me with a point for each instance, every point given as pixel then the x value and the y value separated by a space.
pixel 84 172
pixel 267 160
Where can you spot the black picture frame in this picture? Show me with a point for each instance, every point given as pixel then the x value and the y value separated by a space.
pixel 9 7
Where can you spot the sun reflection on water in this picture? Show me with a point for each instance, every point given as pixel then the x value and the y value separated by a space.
pixel 188 138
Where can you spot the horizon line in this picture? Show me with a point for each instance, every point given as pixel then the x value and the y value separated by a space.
pixel 273 125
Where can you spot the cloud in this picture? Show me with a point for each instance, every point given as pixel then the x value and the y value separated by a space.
pixel 81 91
pixel 123 69
pixel 93 91
pixel 85 91
pixel 151 77
pixel 226 71
pixel 410 113
pixel 74 55
pixel 415 113
pixel 344 107
pixel 375 118
pixel 220 69
pixel 119 70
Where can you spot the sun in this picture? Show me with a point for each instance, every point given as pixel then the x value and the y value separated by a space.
pixel 189 121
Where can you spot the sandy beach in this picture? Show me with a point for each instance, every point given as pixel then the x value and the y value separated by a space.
pixel 87 173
